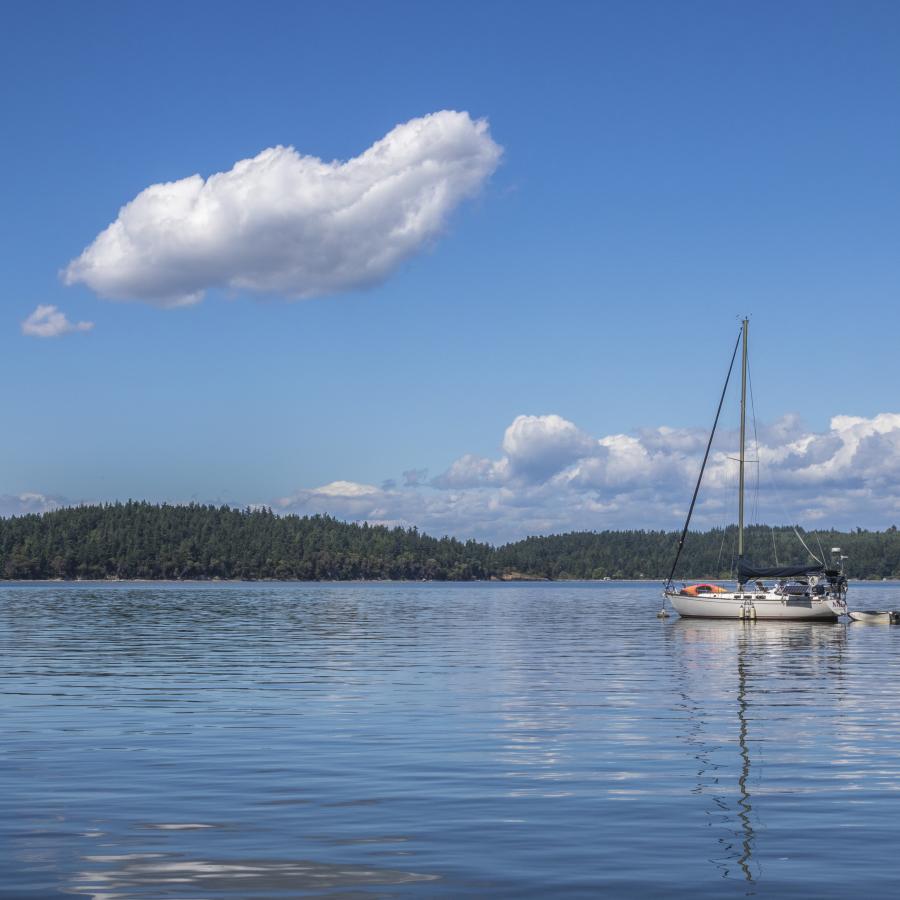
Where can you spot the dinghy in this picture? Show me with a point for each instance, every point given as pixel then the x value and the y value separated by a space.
pixel 875 616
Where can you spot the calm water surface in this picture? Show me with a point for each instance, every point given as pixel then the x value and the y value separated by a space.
pixel 272 741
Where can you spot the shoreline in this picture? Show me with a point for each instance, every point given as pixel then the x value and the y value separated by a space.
pixel 495 581
pixel 534 580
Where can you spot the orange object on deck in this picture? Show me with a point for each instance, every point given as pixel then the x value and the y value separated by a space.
pixel 695 590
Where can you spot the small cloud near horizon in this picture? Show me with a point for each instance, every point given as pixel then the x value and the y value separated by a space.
pixel 553 477
pixel 29 502
pixel 48 321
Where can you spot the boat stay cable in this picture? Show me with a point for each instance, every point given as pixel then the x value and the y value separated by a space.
pixel 775 488
pixel 721 548
pixel 756 460
pixel 758 457
pixel 712 434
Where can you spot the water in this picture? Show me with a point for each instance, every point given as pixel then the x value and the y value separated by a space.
pixel 357 740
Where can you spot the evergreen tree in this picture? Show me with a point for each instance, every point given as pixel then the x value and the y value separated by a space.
pixel 143 540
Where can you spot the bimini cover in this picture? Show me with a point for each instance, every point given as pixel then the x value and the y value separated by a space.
pixel 747 571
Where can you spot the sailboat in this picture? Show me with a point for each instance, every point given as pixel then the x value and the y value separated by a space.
pixel 805 592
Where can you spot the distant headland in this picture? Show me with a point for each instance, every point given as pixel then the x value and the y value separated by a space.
pixel 145 541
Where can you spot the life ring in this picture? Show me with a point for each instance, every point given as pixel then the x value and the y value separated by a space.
pixel 813 580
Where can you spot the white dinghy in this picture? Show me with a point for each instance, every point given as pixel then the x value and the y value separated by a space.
pixel 875 616
pixel 811 592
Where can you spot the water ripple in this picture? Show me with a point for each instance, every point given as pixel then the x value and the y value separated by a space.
pixel 284 740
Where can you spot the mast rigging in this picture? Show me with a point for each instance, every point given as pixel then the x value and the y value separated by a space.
pixel 712 434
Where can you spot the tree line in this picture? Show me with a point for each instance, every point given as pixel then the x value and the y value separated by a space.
pixel 162 541
pixel 710 554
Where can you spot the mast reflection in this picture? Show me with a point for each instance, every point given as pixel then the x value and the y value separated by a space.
pixel 743 802
pixel 724 671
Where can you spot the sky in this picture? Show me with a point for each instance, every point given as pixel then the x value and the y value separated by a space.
pixel 474 267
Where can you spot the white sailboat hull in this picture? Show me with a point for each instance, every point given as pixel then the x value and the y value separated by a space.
pixel 758 606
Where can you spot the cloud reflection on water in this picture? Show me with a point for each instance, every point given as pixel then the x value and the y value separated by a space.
pixel 128 876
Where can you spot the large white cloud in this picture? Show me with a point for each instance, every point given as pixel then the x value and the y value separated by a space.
pixel 553 477
pixel 292 224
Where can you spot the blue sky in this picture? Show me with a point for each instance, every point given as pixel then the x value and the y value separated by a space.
pixel 665 168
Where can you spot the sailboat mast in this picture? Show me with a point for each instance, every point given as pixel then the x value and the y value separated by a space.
pixel 744 325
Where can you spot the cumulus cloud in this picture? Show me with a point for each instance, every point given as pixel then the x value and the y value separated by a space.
pixel 49 321
pixel 538 446
pixel 471 471
pixel 28 502
pixel 552 477
pixel 291 224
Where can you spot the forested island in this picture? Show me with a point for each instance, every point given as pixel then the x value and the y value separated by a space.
pixel 138 540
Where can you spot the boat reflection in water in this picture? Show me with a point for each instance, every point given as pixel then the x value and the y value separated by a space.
pixel 745 687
